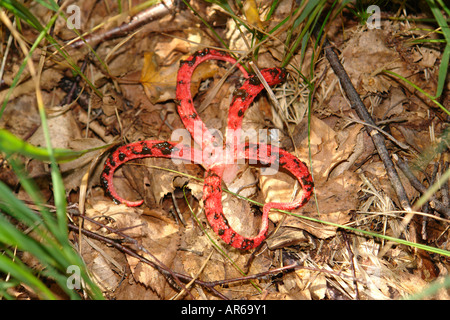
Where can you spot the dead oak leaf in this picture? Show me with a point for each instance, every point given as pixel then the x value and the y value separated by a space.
pixel 161 237
pixel 366 53
pixel 74 171
pixel 154 232
pixel 329 148
pixel 160 82
pixel 335 200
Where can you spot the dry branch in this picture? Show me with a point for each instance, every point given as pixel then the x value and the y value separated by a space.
pixel 363 114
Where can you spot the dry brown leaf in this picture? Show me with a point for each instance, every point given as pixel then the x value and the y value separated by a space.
pixel 152 180
pixel 426 57
pixel 160 182
pixel 295 285
pixel 240 215
pixel 132 290
pixel 161 237
pixel 329 148
pixel 419 141
pixel 168 50
pixel 285 237
pixel 244 184
pixel 277 188
pixel 393 106
pixel 376 83
pixel 153 231
pixel 24 112
pixel 160 82
pixel 103 274
pixel 63 129
pixel 318 287
pixel 335 202
pixel 48 79
pixel 65 134
pixel 73 171
pixel 111 102
pixel 365 53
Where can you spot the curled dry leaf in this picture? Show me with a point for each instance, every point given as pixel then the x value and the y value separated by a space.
pixel 240 215
pixel 24 112
pixel 426 57
pixel 286 236
pixel 153 181
pixel 335 200
pixel 394 106
pixel 111 102
pixel 160 180
pixel 65 134
pixel 294 287
pixel 239 212
pixel 73 171
pixel 365 54
pixel 154 232
pixel 278 187
pixel 103 274
pixel 335 194
pixel 62 129
pixel 160 82
pixel 329 148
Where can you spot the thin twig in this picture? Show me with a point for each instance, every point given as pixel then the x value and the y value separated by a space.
pixel 142 18
pixel 158 264
pixel 389 136
pixel 434 203
pixel 426 206
pixel 179 277
pixel 363 114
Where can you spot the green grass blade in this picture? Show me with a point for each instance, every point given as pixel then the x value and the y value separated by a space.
pixel 53 249
pixel 446 9
pixel 429 96
pixel 12 236
pixel 16 208
pixel 431 289
pixel 443 68
pixel 24 14
pixel 49 4
pixel 23 274
pixel 10 144
pixel 273 6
